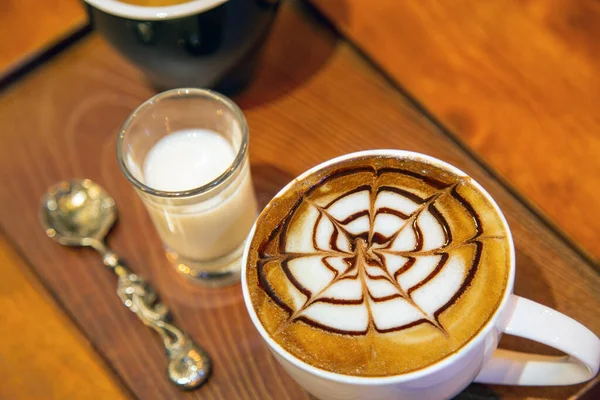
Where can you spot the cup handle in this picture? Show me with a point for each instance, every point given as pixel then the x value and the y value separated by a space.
pixel 534 321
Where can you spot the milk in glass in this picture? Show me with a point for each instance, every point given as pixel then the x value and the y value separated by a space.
pixel 205 230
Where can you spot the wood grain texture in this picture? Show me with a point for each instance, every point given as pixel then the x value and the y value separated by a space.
pixel 28 27
pixel 313 98
pixel 518 81
pixel 42 353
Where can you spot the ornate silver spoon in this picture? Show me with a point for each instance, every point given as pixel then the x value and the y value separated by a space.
pixel 80 213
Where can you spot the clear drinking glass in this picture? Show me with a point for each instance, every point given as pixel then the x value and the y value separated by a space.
pixel 203 229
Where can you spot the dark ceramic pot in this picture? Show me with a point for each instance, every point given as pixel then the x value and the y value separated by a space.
pixel 201 43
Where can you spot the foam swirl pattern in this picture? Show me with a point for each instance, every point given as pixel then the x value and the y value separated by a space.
pixel 378 260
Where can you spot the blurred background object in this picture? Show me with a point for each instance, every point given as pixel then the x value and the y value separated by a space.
pixel 197 43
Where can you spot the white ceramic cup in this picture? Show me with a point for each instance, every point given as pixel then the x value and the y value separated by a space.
pixel 478 360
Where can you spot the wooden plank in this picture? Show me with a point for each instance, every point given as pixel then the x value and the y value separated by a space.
pixel 518 81
pixel 28 27
pixel 42 353
pixel 314 98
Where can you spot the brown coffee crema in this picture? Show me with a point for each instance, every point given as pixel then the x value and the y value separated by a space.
pixel 377 266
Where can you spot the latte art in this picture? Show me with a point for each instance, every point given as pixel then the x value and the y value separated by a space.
pixel 378 259
pixel 377 249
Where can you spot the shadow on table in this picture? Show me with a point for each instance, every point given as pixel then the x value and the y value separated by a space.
pixel 298 46
pixel 476 391
pixel 530 282
pixel 268 180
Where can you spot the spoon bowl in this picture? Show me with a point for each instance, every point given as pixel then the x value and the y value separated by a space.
pixel 73 212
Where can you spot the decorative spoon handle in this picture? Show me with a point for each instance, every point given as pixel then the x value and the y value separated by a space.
pixel 189 366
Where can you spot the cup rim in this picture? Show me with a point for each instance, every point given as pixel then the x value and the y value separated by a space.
pixel 131 11
pixel 393 379
pixel 233 167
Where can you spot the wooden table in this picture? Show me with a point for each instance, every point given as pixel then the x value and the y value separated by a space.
pixel 32 30
pixel 519 82
pixel 315 96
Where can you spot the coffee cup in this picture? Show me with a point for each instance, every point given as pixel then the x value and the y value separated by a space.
pixel 345 322
pixel 196 43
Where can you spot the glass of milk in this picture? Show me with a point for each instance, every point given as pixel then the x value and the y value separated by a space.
pixel 186 153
